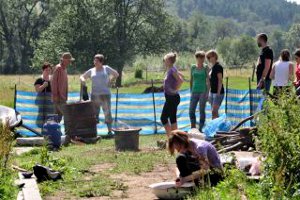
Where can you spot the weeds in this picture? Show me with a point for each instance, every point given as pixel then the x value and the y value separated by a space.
pixel 279 140
pixel 7 188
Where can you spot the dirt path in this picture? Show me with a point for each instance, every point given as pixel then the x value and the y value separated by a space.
pixel 137 184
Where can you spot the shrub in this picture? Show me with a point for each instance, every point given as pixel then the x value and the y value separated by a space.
pixel 279 140
pixel 138 73
pixel 7 190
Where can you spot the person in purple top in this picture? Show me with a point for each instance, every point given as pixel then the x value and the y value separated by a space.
pixel 172 82
pixel 196 159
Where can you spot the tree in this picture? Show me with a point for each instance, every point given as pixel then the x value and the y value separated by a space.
pixel 293 36
pixel 238 52
pixel 278 42
pixel 21 22
pixel 120 29
pixel 222 29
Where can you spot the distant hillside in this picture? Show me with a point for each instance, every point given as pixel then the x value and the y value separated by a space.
pixel 255 13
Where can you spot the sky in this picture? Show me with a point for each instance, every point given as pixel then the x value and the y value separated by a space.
pixel 297 1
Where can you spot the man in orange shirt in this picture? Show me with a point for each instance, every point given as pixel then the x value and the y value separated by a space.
pixel 60 83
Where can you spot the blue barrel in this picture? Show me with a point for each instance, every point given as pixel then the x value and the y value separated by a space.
pixel 51 131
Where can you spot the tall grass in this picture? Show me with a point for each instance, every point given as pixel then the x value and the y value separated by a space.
pixel 7 189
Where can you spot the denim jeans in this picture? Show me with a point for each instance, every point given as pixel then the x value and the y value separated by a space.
pixel 268 85
pixel 202 99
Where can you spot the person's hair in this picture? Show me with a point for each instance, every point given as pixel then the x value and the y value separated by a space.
pixel 200 54
pixel 99 57
pixel 170 56
pixel 285 55
pixel 263 37
pixel 212 53
pixel 46 65
pixel 297 53
pixel 178 138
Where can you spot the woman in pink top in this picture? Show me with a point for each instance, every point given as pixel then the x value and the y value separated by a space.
pixel 297 72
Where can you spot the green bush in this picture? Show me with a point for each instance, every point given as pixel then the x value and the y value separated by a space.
pixel 138 73
pixel 279 140
pixel 234 187
pixel 7 189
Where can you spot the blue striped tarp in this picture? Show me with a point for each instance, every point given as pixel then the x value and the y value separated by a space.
pixel 137 110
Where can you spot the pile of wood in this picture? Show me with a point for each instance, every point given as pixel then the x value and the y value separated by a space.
pixel 237 139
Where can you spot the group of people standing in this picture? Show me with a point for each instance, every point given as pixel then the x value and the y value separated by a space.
pixel 206 84
pixel 101 76
pixel 281 72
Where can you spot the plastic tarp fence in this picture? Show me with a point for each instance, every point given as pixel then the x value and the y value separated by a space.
pixel 137 110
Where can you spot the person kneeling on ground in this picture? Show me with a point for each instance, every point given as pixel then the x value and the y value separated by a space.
pixel 197 160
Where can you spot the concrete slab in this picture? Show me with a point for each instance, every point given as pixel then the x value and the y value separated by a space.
pixel 21 150
pixel 30 190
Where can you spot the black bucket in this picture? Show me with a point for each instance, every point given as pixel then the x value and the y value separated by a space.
pixel 80 119
pixel 127 139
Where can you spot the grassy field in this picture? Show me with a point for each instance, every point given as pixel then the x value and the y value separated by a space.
pixel 238 79
pixel 99 172
pixel 92 170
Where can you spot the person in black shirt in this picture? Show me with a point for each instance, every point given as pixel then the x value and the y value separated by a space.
pixel 264 63
pixel 43 84
pixel 216 95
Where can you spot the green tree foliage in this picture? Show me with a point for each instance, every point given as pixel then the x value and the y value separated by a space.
pixel 278 12
pixel 119 29
pixel 279 140
pixel 21 22
pixel 237 52
pixel 293 36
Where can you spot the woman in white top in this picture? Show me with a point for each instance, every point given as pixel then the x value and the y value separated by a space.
pixel 282 73
pixel 101 75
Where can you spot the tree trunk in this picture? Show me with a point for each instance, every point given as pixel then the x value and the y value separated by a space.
pixel 120 71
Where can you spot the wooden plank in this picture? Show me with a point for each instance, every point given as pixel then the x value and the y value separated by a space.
pixel 34 141
pixel 30 189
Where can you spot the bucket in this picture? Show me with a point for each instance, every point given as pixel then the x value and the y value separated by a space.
pixel 80 119
pixel 127 139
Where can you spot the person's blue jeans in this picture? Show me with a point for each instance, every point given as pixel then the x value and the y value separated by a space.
pixel 268 85
pixel 196 98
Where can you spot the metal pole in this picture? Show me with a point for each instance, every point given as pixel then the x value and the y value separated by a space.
pixel 253 72
pixel 15 97
pixel 117 101
pixel 250 100
pixel 154 109
pixel 226 98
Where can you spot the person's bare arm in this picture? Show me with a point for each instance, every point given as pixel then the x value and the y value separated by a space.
pixel 179 79
pixel 40 88
pixel 114 73
pixel 272 75
pixel 220 82
pixel 191 80
pixel 267 68
pixel 207 80
pixel 291 71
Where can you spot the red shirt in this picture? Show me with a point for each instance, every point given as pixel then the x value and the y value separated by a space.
pixel 59 84
pixel 298 75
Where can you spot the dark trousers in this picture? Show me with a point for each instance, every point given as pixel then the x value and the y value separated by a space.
pixel 298 91
pixel 169 111
pixel 187 164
